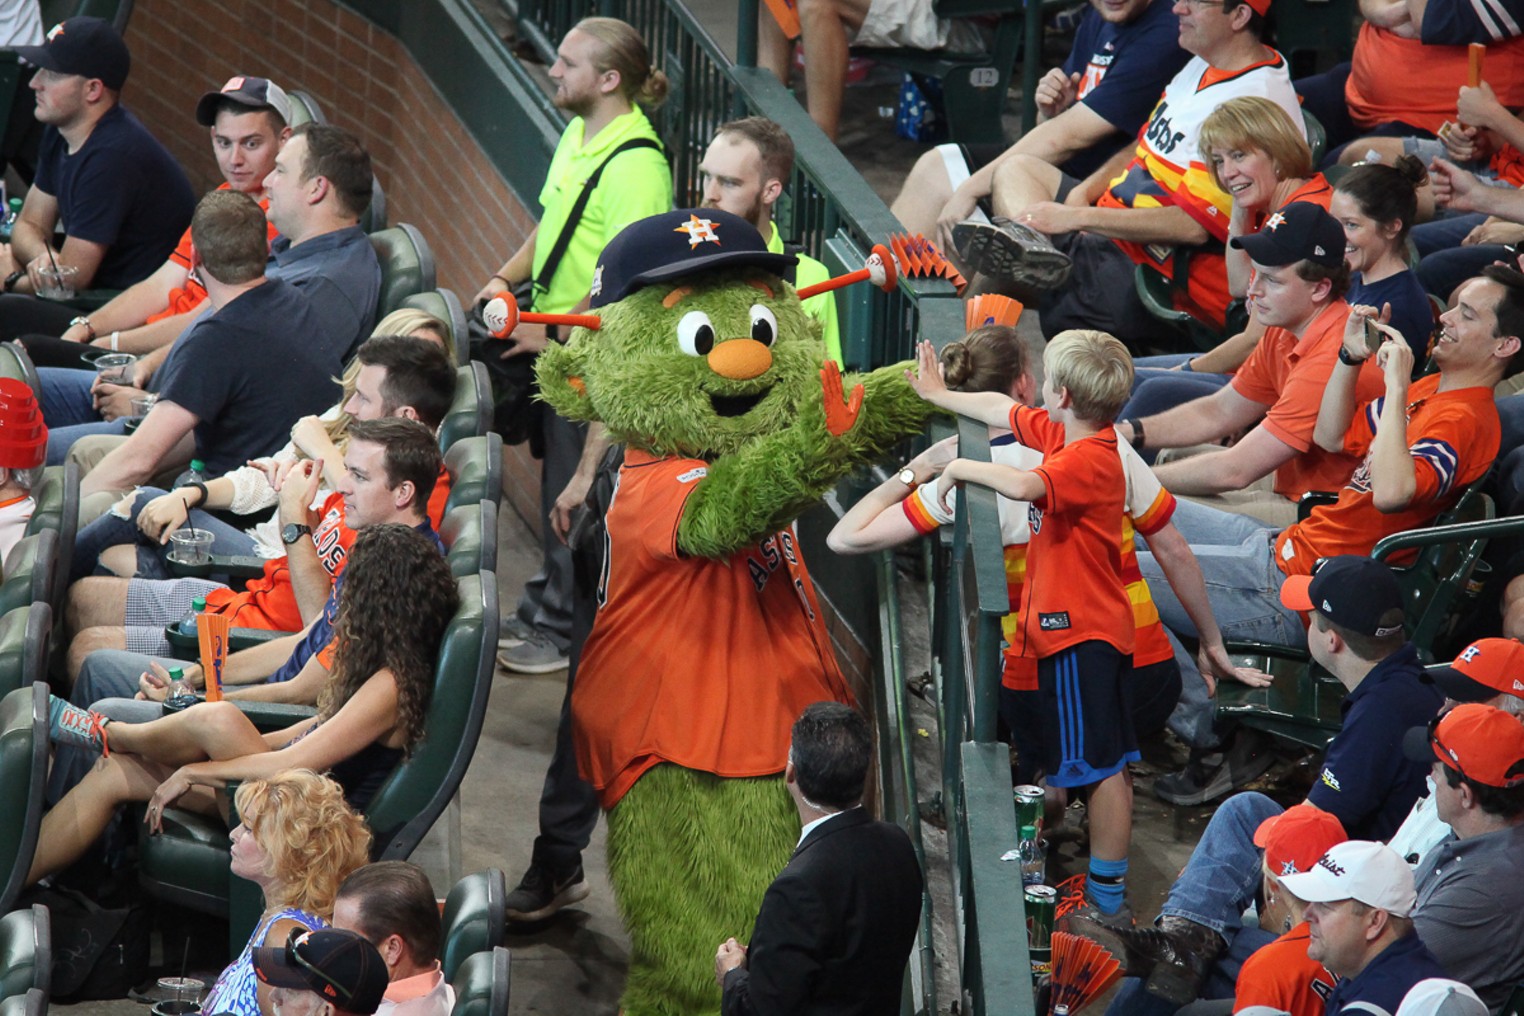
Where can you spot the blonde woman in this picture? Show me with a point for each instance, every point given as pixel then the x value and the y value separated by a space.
pixel 297 840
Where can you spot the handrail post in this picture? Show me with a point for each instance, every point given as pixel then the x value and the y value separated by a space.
pixel 746 33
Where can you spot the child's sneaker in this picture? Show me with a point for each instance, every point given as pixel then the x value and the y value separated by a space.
pixel 71 725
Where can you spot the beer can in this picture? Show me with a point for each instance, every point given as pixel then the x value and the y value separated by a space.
pixel 1041 903
pixel 1029 800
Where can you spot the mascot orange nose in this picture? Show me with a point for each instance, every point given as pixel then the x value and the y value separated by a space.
pixel 740 359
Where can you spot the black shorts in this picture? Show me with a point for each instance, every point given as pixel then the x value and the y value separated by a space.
pixel 1085 709
pixel 977 156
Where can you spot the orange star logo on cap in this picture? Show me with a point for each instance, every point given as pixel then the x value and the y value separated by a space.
pixel 699 231
pixel 1275 220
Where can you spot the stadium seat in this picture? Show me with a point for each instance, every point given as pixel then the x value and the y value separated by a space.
pixel 15 363
pixel 475 465
pixel 304 109
pixel 26 952
pixel 118 12
pixel 470 538
pixel 31 573
pixel 32 1003
pixel 188 863
pixel 407 266
pixel 374 218
pixel 474 918
pixel 470 413
pixel 24 646
pixel 24 760
pixel 481 985
pixel 445 305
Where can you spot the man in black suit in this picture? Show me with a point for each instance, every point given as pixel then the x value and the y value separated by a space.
pixel 837 925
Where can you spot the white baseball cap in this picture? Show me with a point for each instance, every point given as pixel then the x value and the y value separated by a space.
pixel 1372 873
pixel 1440 997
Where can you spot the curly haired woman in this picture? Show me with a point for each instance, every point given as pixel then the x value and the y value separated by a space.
pixel 397 599
pixel 297 840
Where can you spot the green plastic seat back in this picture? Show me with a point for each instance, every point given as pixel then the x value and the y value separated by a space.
pixel 445 305
pixel 304 109
pixel 481 984
pixel 30 572
pixel 16 363
pixel 1432 584
pixel 475 466
pixel 469 534
pixel 24 636
pixel 407 265
pixel 25 954
pixel 24 760
pixel 470 413
pixel 1317 137
pixel 33 1003
pixel 415 794
pixel 474 918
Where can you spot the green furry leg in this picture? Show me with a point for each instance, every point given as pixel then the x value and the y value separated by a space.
pixel 690 855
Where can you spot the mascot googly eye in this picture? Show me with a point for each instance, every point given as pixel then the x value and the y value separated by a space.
pixel 695 334
pixel 764 326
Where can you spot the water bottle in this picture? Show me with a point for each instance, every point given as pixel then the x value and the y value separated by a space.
pixel 12 213
pixel 180 692
pixel 1033 856
pixel 198 607
pixel 195 474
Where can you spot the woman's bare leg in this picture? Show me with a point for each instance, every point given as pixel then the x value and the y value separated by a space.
pixel 82 816
pixel 210 730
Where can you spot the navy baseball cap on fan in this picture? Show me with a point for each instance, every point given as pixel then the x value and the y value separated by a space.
pixel 1353 592
pixel 677 243
pixel 255 93
pixel 86 46
pixel 341 967
pixel 1300 231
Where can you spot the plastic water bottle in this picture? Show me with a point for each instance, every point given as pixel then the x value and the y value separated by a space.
pixel 1033 856
pixel 180 694
pixel 195 474
pixel 12 213
pixel 198 607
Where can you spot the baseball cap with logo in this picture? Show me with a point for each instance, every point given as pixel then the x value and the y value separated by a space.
pixel 23 434
pixel 340 966
pixel 86 46
pixel 255 93
pixel 1353 592
pixel 1438 996
pixel 1482 743
pixel 1369 872
pixel 682 242
pixel 1295 839
pixel 1482 671
pixel 1300 231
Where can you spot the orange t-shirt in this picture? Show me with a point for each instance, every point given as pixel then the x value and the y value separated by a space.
pixel 1288 375
pixel 188 297
pixel 1281 976
pixel 1453 437
pixel 1075 591
pixel 699 662
pixel 269 602
pixel 1405 80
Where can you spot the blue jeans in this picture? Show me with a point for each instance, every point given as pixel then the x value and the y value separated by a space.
pixel 1236 554
pixel 69 410
pixel 111 530
pixel 1155 388
pixel 1218 884
pixel 108 680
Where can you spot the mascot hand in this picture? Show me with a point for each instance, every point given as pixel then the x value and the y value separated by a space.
pixel 841 413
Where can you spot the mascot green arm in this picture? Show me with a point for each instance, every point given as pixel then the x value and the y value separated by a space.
pixel 757 490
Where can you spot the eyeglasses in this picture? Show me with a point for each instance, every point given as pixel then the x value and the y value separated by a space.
pixel 292 955
pixel 1447 757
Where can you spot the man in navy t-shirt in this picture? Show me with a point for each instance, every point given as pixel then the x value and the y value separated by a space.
pixel 122 199
pixel 1124 53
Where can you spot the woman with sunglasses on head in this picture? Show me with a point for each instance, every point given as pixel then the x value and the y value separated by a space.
pixel 297 840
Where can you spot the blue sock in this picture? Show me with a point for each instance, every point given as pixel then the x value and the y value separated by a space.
pixel 1107 884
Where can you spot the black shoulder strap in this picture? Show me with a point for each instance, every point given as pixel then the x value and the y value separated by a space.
pixel 553 260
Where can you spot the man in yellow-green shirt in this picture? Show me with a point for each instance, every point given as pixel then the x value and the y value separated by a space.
pixel 744 171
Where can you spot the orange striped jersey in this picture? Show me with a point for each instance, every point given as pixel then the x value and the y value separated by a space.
pixel 697 661
pixel 1167 171
pixel 1149 508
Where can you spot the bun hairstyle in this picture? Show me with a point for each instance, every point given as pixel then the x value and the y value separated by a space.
pixel 988 359
pixel 623 50
pixel 1387 193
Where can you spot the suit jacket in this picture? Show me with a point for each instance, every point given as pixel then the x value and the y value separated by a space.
pixel 836 926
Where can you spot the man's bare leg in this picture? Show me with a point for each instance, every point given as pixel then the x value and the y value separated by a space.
pixel 926 190
pixel 88 641
pixel 96 600
pixel 824 26
pixel 1023 180
pixel 775 51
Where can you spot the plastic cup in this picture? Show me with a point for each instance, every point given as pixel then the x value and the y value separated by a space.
pixel 56 283
pixel 115 368
pixel 181 989
pixel 191 546
pixel 175 1007
pixel 142 404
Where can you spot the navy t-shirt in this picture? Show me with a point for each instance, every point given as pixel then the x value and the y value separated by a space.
pixel 123 190
pixel 1412 314
pixel 1457 22
pixel 1366 779
pixel 1125 69
pixel 249 371
pixel 1388 977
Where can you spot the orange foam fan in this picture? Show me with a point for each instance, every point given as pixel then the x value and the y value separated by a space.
pixel 906 255
pixel 991 309
pixel 1082 971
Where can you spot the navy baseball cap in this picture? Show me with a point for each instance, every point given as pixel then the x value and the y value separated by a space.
pixel 341 967
pixel 86 46
pixel 255 93
pixel 1300 231
pixel 1353 592
pixel 677 243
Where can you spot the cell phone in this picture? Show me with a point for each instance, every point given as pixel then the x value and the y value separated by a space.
pixel 1374 336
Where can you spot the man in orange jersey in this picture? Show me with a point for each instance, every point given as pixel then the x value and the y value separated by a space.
pixel 1143 203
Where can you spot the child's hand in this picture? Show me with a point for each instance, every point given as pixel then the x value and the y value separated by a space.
pixel 927 378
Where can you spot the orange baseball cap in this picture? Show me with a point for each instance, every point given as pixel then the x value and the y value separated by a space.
pixel 1295 839
pixel 1485 745
pixel 1482 671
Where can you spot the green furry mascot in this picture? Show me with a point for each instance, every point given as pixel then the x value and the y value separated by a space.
pixel 709 640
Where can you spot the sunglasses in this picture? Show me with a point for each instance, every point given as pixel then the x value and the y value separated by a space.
pixel 294 956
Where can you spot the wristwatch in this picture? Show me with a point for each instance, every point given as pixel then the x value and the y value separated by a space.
pixel 292 532
pixel 13 278
pixel 82 320
pixel 907 477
